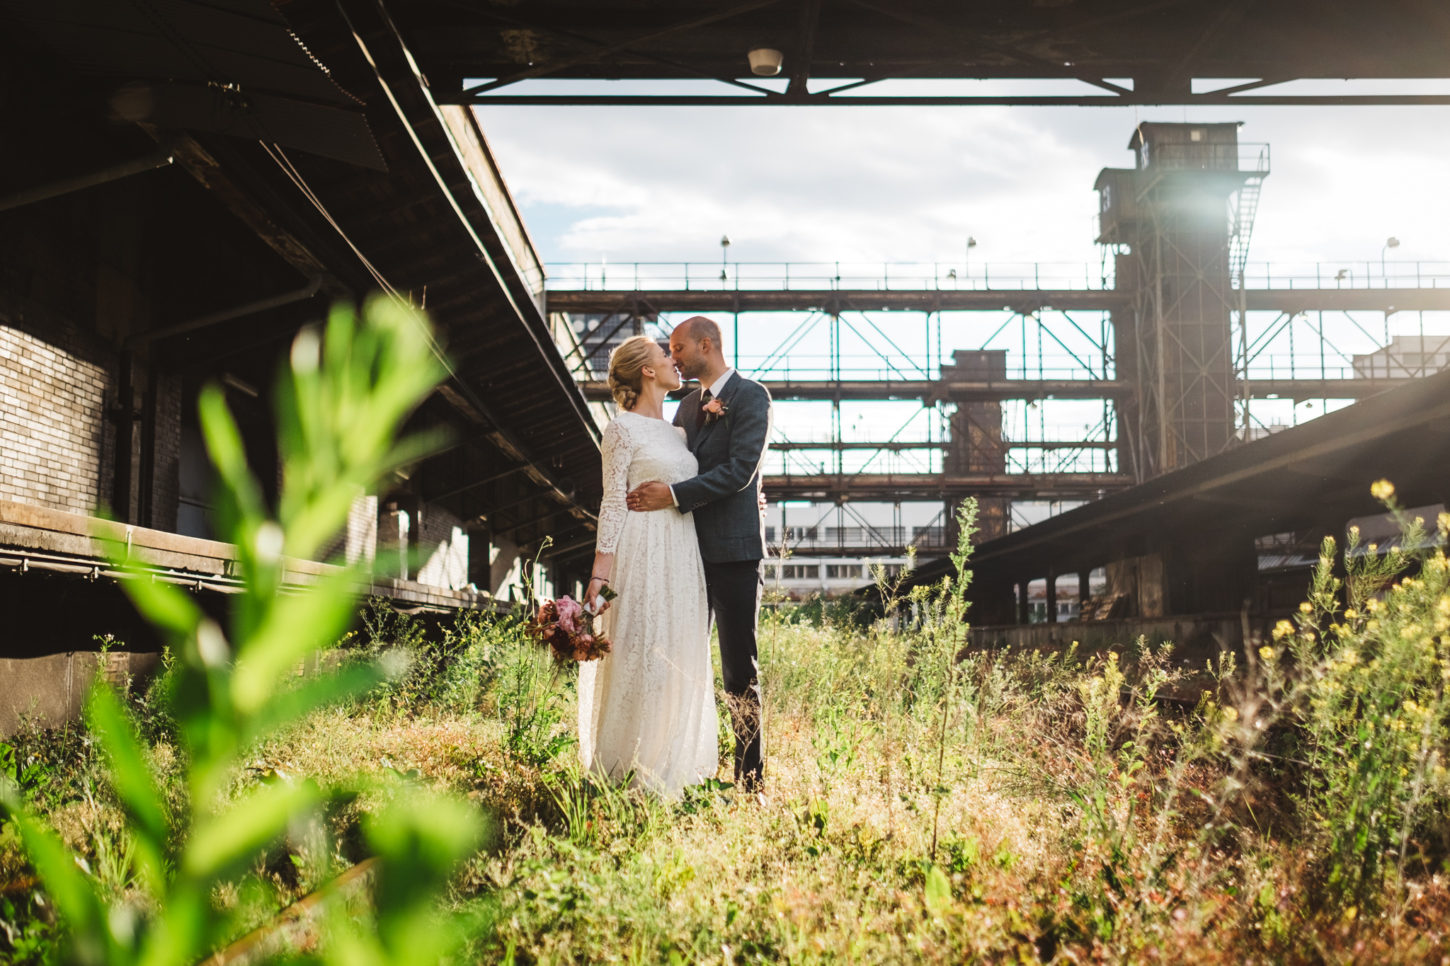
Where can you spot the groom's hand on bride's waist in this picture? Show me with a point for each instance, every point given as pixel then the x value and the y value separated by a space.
pixel 653 495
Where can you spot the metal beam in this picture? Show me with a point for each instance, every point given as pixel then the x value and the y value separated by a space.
pixel 604 50
pixel 1292 300
pixel 227 315
pixel 115 172
pixel 897 446
pixel 805 45
pixel 894 487
pixel 928 390
pixel 1288 300
pixel 836 301
pixel 1132 99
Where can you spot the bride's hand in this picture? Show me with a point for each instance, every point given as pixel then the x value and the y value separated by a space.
pixel 592 596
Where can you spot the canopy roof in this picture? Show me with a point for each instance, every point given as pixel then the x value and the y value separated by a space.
pixel 1117 51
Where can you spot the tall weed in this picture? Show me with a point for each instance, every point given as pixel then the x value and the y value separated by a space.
pixel 1366 668
pixel 340 407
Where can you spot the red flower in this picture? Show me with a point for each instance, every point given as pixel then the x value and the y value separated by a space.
pixel 567 629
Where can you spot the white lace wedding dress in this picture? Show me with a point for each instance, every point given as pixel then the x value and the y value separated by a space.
pixel 648 707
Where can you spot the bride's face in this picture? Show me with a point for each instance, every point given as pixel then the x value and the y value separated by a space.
pixel 665 372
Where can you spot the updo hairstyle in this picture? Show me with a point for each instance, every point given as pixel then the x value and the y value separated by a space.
pixel 626 369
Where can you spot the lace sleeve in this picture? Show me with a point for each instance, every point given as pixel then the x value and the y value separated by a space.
pixel 617 451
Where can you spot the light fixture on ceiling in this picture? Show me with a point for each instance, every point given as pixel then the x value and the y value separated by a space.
pixel 765 61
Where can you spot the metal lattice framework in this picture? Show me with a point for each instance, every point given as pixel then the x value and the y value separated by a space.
pixel 1053 411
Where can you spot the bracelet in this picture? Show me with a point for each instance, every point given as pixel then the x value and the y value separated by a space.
pixel 599 578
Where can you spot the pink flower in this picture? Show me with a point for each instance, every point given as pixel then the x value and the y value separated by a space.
pixel 570 612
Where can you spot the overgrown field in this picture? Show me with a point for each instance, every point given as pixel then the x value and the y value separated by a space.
pixel 923 804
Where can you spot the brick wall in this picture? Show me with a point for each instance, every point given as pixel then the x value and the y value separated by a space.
pixel 442 549
pixel 52 422
pixel 165 471
pixel 361 540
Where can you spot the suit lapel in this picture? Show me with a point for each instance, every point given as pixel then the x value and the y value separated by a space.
pixel 727 392
pixel 689 406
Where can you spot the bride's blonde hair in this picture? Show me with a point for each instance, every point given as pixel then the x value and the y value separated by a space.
pixel 626 369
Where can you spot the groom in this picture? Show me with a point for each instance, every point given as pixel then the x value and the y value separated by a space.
pixel 726 424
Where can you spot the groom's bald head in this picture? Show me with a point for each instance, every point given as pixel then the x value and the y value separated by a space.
pixel 696 347
pixel 698 327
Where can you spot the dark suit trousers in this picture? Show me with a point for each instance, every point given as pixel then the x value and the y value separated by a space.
pixel 734 591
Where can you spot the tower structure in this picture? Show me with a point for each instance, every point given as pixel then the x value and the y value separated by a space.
pixel 1182 217
pixel 976 445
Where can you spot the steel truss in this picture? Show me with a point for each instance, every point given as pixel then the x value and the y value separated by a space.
pixel 871 402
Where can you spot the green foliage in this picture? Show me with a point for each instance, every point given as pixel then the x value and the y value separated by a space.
pixel 24 773
pixel 529 703
pixel 340 407
pixel 926 801
pixel 1362 673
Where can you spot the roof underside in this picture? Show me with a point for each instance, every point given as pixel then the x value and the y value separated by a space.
pixel 377 193
pixel 1118 51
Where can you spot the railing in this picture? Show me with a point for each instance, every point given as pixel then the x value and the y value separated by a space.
pixel 1367 274
pixel 1247 156
pixel 884 537
pixel 850 276
pixel 948 276
pixel 802 368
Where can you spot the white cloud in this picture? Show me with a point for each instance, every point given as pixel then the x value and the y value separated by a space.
pixel 910 184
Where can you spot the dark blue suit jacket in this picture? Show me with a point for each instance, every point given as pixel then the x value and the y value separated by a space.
pixel 724 496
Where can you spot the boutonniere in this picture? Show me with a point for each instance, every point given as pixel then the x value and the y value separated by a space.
pixel 714 409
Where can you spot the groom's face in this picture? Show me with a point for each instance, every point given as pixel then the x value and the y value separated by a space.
pixel 688 355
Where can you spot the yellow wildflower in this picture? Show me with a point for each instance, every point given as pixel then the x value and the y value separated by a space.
pixel 1306 608
pixel 1350 614
pixel 1266 652
pixel 1284 628
pixel 1382 490
pixel 1231 713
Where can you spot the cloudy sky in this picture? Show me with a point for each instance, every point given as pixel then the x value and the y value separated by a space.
pixel 878 184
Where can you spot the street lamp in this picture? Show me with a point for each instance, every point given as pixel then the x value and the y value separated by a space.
pixel 1390 242
pixel 967 256
pixel 724 247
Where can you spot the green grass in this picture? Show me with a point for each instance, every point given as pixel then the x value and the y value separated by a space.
pixel 1079 817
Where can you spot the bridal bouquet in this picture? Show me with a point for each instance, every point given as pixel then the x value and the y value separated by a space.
pixel 567 627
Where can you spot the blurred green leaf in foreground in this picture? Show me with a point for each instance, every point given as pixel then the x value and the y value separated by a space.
pixel 341 405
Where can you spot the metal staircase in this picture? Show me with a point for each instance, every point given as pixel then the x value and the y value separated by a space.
pixel 1245 204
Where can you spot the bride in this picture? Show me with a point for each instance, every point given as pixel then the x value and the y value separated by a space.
pixel 648 707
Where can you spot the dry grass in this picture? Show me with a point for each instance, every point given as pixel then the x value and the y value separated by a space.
pixel 1048 847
